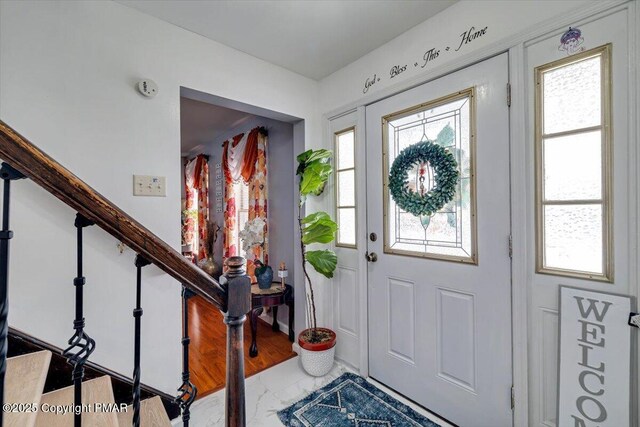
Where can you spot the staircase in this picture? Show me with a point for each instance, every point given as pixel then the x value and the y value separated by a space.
pixel 22 378
pixel 24 383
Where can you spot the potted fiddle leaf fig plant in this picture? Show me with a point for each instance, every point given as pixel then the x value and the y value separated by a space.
pixel 317 344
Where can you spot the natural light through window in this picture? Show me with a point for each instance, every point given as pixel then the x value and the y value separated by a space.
pixel 241 191
pixel 448 234
pixel 573 173
pixel 346 187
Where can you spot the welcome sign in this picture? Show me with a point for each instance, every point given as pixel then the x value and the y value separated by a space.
pixel 595 359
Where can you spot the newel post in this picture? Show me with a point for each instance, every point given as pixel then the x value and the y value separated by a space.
pixel 238 289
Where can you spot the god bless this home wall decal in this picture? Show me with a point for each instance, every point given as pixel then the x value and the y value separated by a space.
pixel 429 56
pixel 595 359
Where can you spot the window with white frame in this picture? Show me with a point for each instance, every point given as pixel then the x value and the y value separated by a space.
pixel 573 166
pixel 345 187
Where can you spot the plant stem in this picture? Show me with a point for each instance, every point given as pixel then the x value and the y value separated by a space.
pixel 304 269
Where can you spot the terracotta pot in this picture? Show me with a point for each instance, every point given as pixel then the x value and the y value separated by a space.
pixel 317 358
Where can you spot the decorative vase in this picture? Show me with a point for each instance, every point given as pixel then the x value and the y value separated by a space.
pixel 317 358
pixel 209 266
pixel 265 277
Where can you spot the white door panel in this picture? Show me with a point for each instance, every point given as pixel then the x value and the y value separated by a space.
pixel 543 293
pixel 440 331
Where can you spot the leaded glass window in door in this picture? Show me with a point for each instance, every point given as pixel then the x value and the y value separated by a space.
pixel 449 233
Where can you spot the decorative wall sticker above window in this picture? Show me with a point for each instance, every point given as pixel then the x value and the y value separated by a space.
pixel 571 41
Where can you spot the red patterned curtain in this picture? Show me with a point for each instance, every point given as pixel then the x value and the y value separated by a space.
pixel 231 155
pixel 197 181
pixel 258 192
pixel 245 158
pixel 202 185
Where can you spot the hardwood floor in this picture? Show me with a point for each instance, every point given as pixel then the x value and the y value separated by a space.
pixel 208 343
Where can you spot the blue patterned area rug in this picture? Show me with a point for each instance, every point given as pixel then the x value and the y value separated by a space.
pixel 351 401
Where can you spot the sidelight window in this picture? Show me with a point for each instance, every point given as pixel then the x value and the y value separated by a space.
pixel 345 166
pixel 573 166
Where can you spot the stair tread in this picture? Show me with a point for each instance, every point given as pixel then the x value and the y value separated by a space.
pixel 24 382
pixel 152 414
pixel 98 390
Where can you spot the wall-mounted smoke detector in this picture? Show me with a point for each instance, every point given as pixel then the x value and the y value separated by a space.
pixel 148 88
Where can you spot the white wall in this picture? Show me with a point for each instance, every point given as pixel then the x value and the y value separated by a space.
pixel 67 75
pixel 502 19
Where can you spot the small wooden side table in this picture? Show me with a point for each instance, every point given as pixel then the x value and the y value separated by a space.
pixel 272 297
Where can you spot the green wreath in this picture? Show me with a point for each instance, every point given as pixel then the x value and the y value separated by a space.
pixel 445 168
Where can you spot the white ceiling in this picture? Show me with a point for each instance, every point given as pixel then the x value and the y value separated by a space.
pixel 311 37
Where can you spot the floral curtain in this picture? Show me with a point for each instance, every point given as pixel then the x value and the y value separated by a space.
pixel 196 218
pixel 232 152
pixel 245 158
pixel 258 192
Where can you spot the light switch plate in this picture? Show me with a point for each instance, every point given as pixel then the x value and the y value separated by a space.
pixel 149 185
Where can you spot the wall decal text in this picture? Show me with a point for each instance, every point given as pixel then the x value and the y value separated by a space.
pixel 430 55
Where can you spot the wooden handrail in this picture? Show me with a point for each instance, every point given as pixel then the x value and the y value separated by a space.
pixel 32 162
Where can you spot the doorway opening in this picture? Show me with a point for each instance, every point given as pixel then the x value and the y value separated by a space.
pixel 238 192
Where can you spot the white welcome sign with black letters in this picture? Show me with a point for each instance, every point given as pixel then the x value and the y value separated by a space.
pixel 595 359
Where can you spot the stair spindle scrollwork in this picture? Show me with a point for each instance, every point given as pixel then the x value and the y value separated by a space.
pixel 137 315
pixel 8 174
pixel 81 345
pixel 187 392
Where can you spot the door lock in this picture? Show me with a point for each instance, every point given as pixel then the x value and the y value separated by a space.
pixel 371 257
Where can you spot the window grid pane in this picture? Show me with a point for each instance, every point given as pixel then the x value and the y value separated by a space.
pixel 572 167
pixel 573 171
pixel 345 188
pixel 572 96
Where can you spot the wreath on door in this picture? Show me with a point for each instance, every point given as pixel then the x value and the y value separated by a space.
pixel 446 173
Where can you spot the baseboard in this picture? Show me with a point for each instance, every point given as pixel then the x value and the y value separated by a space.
pixel 268 318
pixel 59 375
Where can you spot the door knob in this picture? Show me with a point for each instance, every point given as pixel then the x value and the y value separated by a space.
pixel 371 257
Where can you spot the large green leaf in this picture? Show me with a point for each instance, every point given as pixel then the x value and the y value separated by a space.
pixel 314 177
pixel 321 154
pixel 311 156
pixel 314 168
pixel 324 262
pixel 311 218
pixel 318 228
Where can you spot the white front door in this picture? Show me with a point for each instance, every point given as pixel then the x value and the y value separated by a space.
pixel 440 290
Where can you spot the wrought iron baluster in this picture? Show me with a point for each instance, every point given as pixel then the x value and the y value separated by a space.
pixel 7 173
pixel 187 392
pixel 137 314
pixel 80 344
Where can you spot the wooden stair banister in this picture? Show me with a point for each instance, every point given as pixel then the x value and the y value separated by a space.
pixel 36 165
pixel 233 299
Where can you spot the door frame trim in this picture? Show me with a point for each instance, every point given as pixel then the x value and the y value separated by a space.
pixel 520 282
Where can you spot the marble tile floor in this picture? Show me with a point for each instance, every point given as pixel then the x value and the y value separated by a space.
pixel 275 389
